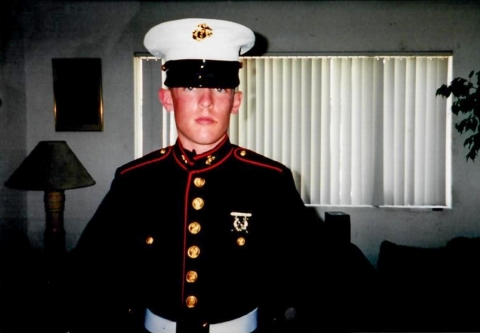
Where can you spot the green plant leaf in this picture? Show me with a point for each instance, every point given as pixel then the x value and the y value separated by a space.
pixel 473 143
pixel 460 126
pixel 467 102
pixel 471 124
pixel 471 155
pixel 444 91
pixel 460 87
pixel 455 108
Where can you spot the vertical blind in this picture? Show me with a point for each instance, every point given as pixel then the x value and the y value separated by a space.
pixel 356 130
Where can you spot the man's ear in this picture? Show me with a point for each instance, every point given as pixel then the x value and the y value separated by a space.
pixel 165 97
pixel 237 100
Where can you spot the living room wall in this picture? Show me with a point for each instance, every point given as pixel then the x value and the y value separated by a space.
pixel 113 31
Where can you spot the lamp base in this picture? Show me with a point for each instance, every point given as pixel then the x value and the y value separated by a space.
pixel 54 236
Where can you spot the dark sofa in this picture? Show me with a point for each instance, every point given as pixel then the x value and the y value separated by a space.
pixel 411 289
pixel 430 289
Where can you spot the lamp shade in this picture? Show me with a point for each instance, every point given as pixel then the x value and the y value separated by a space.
pixel 51 165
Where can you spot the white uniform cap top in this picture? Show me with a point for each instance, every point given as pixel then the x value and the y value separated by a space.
pixel 199 38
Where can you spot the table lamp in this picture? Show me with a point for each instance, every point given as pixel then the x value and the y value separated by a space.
pixel 51 167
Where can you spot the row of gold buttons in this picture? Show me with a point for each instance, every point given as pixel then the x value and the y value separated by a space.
pixel 194 251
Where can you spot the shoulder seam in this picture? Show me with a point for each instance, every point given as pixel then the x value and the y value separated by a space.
pixel 243 159
pixel 133 167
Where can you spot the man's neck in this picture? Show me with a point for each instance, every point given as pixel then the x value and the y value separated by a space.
pixel 200 148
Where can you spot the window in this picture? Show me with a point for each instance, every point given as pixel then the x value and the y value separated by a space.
pixel 355 130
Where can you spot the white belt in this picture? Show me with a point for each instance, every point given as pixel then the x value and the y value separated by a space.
pixel 244 324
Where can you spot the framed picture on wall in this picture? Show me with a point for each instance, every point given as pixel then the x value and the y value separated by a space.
pixel 77 90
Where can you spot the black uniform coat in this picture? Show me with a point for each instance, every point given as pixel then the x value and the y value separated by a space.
pixel 195 238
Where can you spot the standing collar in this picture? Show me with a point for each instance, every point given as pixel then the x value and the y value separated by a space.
pixel 205 160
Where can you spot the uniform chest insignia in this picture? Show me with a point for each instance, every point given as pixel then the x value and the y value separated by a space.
pixel 240 221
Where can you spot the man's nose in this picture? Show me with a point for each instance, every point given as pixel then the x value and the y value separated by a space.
pixel 206 99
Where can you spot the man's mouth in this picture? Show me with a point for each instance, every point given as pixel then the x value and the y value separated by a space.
pixel 204 120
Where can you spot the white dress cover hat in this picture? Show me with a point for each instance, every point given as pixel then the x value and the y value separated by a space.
pixel 200 52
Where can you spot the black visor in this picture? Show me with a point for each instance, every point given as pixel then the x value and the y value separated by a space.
pixel 202 73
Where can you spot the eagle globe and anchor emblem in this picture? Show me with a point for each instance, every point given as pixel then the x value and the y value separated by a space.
pixel 203 31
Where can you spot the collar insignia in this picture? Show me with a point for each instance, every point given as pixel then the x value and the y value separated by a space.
pixel 210 159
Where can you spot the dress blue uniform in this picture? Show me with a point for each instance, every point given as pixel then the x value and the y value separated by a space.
pixel 185 242
pixel 196 239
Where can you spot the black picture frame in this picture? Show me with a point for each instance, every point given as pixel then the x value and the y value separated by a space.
pixel 77 89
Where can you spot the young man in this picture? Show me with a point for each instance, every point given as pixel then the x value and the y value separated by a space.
pixel 204 235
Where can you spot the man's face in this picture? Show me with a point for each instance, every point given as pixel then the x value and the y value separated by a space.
pixel 202 115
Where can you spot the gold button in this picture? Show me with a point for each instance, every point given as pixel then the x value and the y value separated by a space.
pixel 241 241
pixel 191 301
pixel 149 240
pixel 243 153
pixel 192 276
pixel 193 251
pixel 199 182
pixel 162 151
pixel 198 203
pixel 194 228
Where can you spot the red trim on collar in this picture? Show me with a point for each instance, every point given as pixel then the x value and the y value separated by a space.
pixel 213 151
pixel 180 163
pixel 185 155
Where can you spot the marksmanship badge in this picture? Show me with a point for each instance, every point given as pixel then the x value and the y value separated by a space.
pixel 240 225
pixel 203 31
